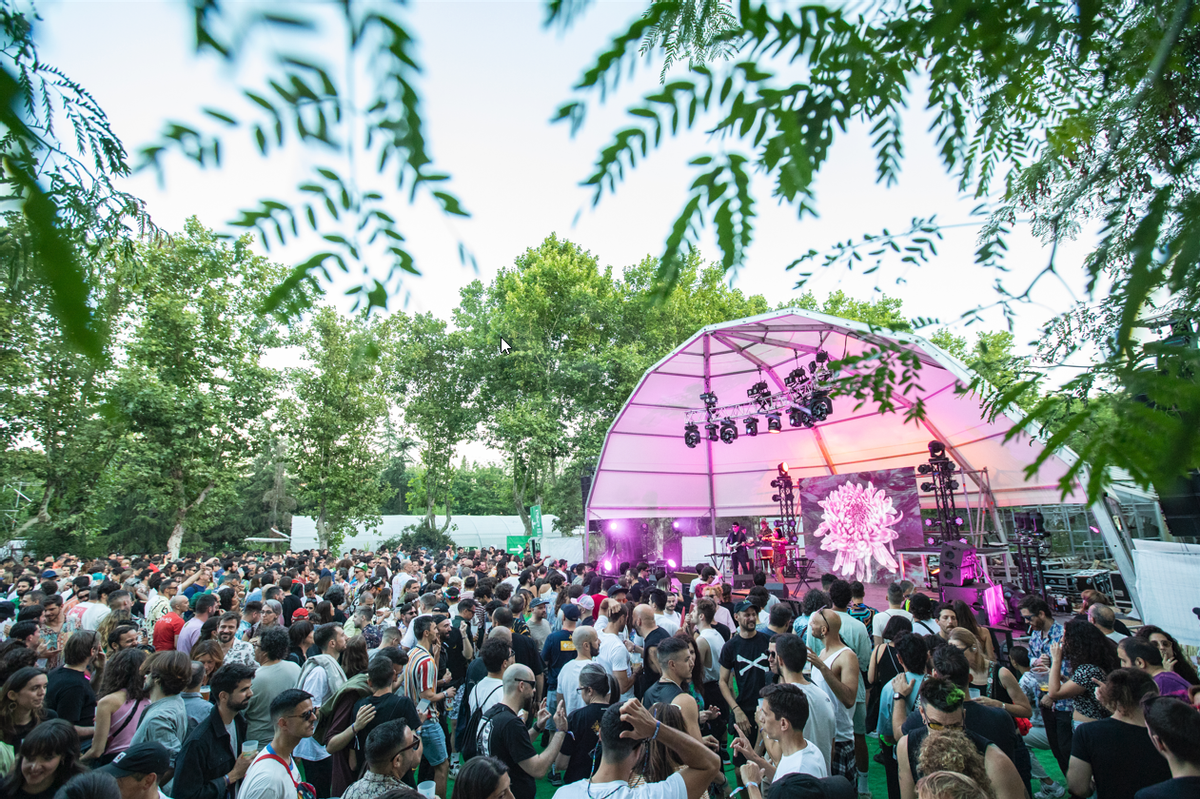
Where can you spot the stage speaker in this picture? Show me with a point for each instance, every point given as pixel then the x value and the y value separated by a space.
pixel 780 590
pixel 743 582
pixel 953 556
pixel 1180 505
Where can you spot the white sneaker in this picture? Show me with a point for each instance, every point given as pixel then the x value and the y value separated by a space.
pixel 1051 791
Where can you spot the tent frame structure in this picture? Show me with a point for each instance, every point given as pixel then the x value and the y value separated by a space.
pixel 668 392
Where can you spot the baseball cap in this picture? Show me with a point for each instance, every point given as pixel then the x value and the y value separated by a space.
pixel 806 786
pixel 299 613
pixel 512 567
pixel 49 574
pixel 539 601
pixel 587 603
pixel 745 604
pixel 150 757
pixel 570 612
pixel 615 589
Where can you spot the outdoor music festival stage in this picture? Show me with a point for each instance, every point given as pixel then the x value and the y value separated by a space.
pixel 700 445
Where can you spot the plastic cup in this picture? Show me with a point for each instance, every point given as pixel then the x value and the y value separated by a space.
pixel 249 748
pixel 427 789
pixel 205 691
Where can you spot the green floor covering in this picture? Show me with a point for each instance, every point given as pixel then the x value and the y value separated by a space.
pixel 878 785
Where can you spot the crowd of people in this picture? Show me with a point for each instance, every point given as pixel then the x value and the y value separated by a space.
pixel 483 675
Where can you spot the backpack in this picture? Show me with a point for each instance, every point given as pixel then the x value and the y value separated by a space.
pixel 469 744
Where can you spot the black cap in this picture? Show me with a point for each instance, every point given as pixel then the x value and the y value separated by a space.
pixel 150 757
pixel 805 786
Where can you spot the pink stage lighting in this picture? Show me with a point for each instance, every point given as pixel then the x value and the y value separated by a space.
pixel 608 565
pixel 993 602
pixel 671 562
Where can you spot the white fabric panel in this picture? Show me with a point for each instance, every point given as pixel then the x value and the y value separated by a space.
pixel 1167 586
pixel 653 454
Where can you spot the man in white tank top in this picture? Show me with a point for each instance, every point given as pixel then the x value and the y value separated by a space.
pixel 836 670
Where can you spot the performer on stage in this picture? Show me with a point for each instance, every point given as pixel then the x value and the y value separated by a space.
pixel 739 549
pixel 776 540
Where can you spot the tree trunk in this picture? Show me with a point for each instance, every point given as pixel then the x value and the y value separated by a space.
pixel 175 540
pixel 322 529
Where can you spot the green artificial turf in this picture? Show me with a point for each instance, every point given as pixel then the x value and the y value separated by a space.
pixel 878 785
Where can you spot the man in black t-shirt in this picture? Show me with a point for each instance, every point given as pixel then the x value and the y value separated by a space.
pixel 744 661
pixel 1174 729
pixel 68 691
pixel 645 626
pixel 389 706
pixel 503 735
pixel 457 644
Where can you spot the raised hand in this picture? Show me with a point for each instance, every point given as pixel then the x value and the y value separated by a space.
pixel 636 715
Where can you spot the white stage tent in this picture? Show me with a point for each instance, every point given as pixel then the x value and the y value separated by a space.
pixel 646 470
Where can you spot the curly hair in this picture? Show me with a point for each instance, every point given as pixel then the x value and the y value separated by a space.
pixel 124 673
pixel 1084 643
pixel 948 785
pixel 952 750
pixel 1125 688
pixel 814 600
pixel 1183 664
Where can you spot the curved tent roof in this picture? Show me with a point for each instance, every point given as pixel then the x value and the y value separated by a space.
pixel 646 470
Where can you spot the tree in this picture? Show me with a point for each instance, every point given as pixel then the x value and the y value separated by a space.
pixel 434 385
pixel 191 399
pixel 334 423
pixel 52 397
pixel 1069 112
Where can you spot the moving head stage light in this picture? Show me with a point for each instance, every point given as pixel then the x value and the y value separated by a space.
pixel 804 398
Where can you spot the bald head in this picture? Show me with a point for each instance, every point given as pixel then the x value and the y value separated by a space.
pixel 179 603
pixel 503 633
pixel 643 617
pixel 826 625
pixel 516 676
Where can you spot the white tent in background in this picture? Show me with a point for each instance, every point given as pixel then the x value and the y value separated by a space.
pixel 646 470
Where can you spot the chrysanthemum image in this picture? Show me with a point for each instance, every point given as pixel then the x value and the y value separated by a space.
pixel 858 526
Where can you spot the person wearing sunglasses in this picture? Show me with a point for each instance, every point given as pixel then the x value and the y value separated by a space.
pixel 274 774
pixel 393 750
pixel 502 733
pixel 942 708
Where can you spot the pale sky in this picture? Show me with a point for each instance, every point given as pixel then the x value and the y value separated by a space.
pixel 493 77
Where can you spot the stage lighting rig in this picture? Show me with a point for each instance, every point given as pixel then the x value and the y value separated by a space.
pixel 946 523
pixel 759 391
pixel 711 429
pixel 774 425
pixel 821 407
pixel 786 497
pixel 796 379
pixel 751 426
pixel 691 435
pixel 729 431
pixel 710 400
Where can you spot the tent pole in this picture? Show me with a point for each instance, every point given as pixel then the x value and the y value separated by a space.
pixel 587 533
pixel 712 497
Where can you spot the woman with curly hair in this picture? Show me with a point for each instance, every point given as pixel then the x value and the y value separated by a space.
pixel 1116 754
pixel 814 600
pixel 111 622
pixel 1091 657
pixel 49 756
pixel 942 707
pixel 122 699
pixel 1174 658
pixel 948 785
pixel 22 705
pixel 951 750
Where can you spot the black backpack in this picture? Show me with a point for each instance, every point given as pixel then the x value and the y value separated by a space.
pixel 468 744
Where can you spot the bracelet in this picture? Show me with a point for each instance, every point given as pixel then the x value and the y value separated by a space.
pixel 899 698
pixel 657 725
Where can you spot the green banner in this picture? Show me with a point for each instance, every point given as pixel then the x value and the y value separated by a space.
pixel 516 544
pixel 535 520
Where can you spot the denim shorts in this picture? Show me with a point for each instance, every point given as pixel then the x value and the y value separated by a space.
pixel 433 741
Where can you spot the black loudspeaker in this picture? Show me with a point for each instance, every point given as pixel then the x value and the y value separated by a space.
pixel 780 590
pixel 743 582
pixel 1180 505
pixel 950 562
